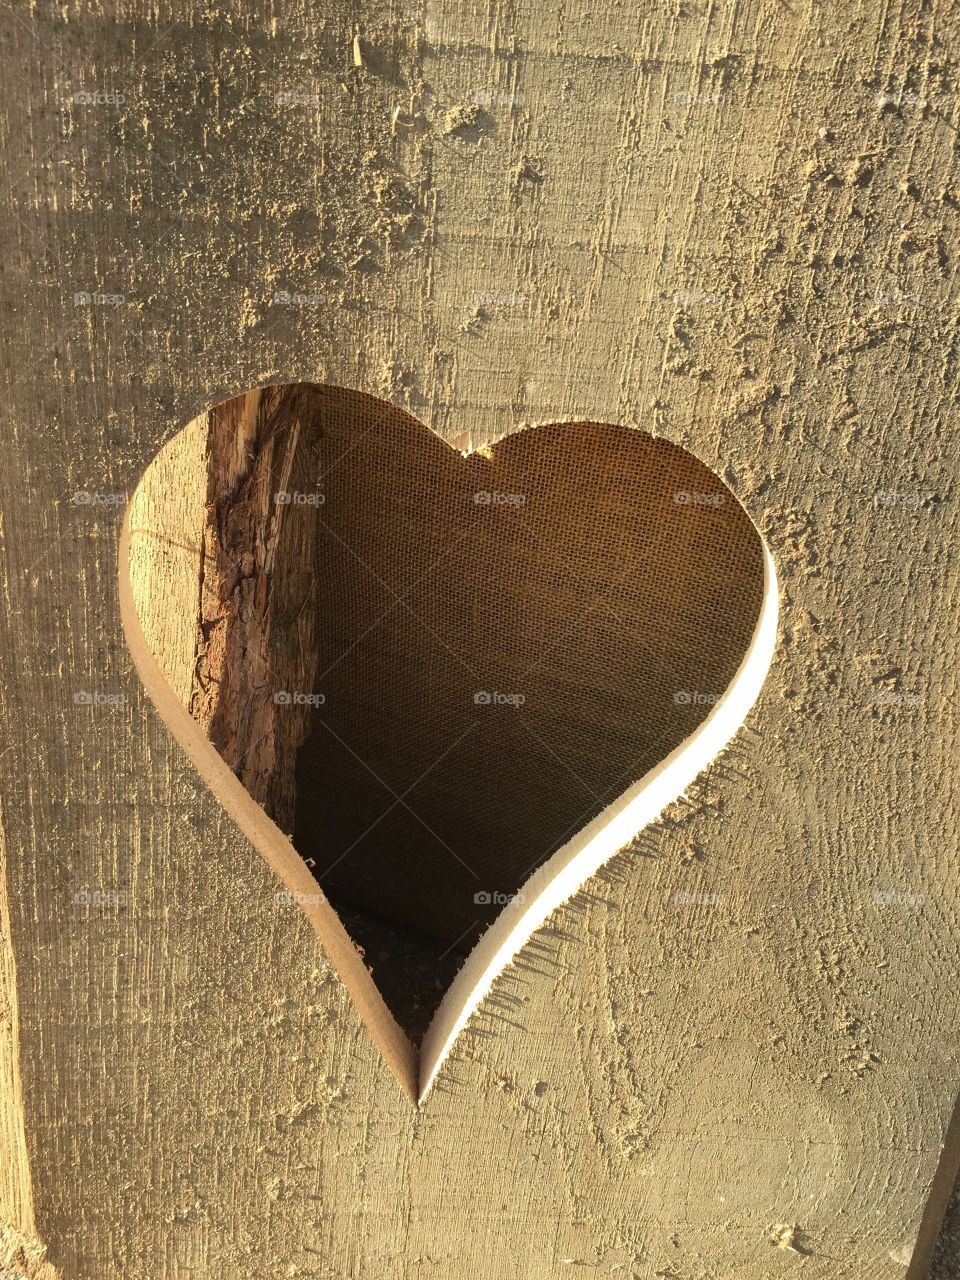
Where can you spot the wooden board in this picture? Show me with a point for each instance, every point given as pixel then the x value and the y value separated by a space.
pixel 733 226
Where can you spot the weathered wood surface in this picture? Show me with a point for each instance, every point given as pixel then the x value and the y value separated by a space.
pixel 21 1251
pixel 733 225
pixel 246 563
pixel 350 645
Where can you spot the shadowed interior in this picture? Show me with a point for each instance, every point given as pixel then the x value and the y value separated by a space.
pixel 489 649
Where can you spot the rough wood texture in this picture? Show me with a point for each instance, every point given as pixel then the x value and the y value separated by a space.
pixel 733 225
pixel 257 609
pixel 607 575
pixel 21 1252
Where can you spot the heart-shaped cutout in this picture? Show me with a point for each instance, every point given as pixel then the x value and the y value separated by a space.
pixel 460 682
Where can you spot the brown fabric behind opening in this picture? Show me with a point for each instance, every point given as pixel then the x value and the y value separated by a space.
pixel 609 579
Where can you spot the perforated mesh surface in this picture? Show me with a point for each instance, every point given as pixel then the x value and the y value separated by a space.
pixel 610 581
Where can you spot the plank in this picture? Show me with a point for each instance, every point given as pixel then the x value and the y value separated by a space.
pixel 732 226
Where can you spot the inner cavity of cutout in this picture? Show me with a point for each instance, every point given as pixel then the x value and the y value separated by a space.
pixel 433 670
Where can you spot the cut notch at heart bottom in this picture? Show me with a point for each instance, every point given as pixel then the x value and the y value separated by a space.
pixel 460 683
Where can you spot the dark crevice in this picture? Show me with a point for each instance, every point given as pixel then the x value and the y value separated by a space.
pixel 412 971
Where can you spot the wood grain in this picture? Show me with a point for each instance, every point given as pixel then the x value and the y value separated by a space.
pixel 629 583
pixel 733 225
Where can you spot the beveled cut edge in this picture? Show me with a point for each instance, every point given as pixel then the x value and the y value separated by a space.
pixel 563 874
pixel 551 885
pixel 266 837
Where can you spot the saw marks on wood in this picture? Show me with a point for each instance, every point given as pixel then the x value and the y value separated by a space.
pixel 730 225
pixel 21 1252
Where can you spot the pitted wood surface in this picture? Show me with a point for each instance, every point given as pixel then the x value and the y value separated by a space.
pixel 731 225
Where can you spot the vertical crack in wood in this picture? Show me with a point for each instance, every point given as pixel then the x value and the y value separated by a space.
pixel 256 637
pixel 21 1252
